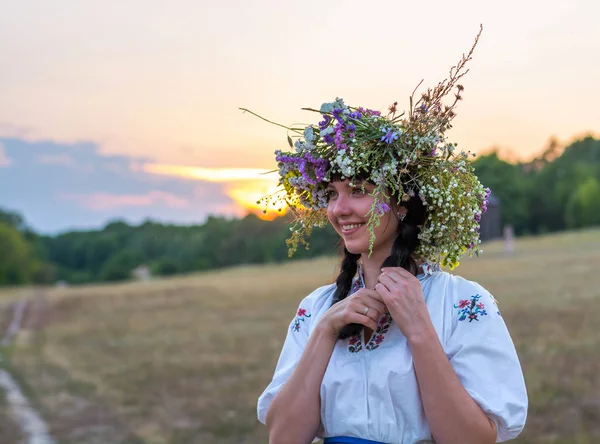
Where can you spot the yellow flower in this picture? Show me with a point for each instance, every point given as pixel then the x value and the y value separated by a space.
pixel 289 188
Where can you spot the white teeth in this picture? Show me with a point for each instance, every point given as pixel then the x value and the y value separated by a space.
pixel 351 227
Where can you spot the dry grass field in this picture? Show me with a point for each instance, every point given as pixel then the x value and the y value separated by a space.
pixel 183 360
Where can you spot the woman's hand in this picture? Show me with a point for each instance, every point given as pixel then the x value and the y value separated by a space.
pixel 401 292
pixel 353 310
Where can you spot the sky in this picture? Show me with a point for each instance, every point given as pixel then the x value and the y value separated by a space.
pixel 130 110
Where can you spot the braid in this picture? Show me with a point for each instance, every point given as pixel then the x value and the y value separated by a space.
pixel 407 240
pixel 405 244
pixel 343 282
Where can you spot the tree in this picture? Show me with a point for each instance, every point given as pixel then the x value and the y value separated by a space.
pixel 120 266
pixel 510 184
pixel 15 256
pixel 583 208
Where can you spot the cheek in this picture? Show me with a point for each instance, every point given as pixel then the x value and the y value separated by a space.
pixel 363 206
pixel 388 226
pixel 330 213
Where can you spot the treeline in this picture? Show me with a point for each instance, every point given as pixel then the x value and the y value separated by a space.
pixel 558 190
pixel 112 253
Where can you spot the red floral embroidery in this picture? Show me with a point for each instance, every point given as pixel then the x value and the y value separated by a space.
pixel 463 303
pixel 354 344
pixel 471 310
pixel 300 317
pixel 379 335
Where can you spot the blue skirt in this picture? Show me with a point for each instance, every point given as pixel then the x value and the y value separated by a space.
pixel 349 440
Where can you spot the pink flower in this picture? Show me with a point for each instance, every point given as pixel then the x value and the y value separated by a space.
pixel 378 339
pixel 480 305
pixel 353 340
pixel 463 303
pixel 301 312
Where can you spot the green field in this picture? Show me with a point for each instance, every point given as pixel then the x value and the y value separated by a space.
pixel 183 360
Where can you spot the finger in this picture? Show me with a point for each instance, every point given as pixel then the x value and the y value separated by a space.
pixel 372 313
pixel 372 294
pixel 397 273
pixel 365 306
pixel 357 318
pixel 396 277
pixel 388 282
pixel 373 299
pixel 379 307
pixel 382 290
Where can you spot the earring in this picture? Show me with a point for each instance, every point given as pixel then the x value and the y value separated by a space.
pixel 401 216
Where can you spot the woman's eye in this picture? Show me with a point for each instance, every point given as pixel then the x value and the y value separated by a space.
pixel 358 191
pixel 329 194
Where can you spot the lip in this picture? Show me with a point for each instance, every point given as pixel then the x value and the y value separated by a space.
pixel 351 231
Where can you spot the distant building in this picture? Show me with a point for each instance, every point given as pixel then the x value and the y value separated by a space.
pixel 491 226
pixel 142 273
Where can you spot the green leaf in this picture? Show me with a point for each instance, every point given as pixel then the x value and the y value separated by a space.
pixel 290 141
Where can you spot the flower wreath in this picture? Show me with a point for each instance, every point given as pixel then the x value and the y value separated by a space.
pixel 403 156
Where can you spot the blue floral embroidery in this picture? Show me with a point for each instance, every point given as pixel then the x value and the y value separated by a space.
pixel 471 309
pixel 300 317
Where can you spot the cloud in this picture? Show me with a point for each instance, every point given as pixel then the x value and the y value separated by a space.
pixel 11 130
pixel 56 159
pixel 58 187
pixel 245 186
pixel 4 160
pixel 104 201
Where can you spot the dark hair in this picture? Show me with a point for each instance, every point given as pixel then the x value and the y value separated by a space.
pixel 405 244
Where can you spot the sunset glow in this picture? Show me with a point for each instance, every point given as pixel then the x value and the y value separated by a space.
pixel 246 195
pixel 209 174
pixel 244 185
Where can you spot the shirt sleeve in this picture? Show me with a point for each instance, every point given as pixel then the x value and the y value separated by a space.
pixel 293 347
pixel 483 356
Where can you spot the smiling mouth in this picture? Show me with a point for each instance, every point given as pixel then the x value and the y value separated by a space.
pixel 350 227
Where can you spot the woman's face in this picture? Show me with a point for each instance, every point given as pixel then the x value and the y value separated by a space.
pixel 347 212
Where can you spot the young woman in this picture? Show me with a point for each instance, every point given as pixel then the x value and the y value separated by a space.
pixel 434 361
pixel 396 350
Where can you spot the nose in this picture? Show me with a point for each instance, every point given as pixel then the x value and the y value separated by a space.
pixel 341 206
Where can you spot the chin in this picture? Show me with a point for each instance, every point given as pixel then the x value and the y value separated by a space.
pixel 357 247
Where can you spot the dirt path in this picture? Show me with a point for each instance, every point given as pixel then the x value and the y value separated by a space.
pixel 27 418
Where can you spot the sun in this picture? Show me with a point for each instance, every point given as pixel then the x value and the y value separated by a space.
pixel 247 193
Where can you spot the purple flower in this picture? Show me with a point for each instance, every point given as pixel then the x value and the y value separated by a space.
pixel 382 208
pixel 285 159
pixel 305 174
pixel 325 122
pixel 390 137
pixel 337 114
pixel 369 112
